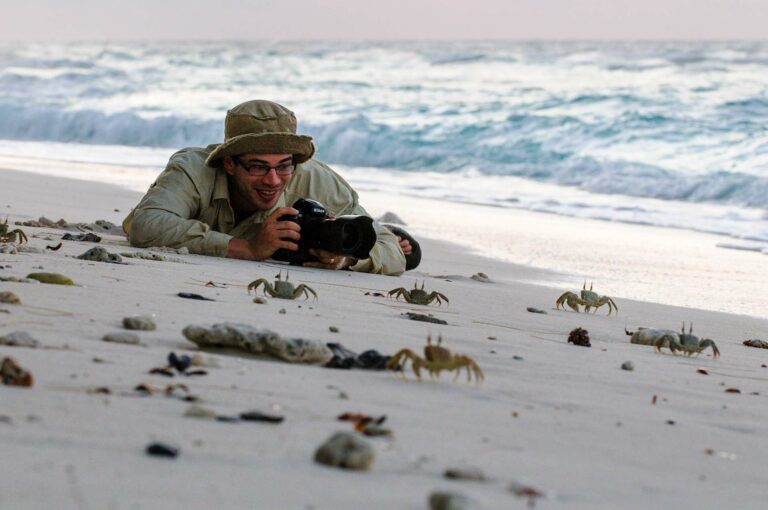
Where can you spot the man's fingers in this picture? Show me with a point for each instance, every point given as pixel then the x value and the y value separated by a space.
pixel 405 245
pixel 288 245
pixel 285 226
pixel 289 234
pixel 280 211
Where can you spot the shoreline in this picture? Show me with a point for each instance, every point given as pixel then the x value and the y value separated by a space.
pixel 545 409
pixel 643 262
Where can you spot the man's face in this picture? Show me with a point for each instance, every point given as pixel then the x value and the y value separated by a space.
pixel 259 188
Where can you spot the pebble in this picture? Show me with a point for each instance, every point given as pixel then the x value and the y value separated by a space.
pixel 198 360
pixel 190 295
pixel 424 318
pixel 345 450
pixel 533 309
pixel 259 416
pixel 122 338
pixel 51 278
pixel 162 450
pixel 179 362
pixel 628 365
pixel 481 277
pixel 198 411
pixel 440 500
pixel 12 374
pixel 333 329
pixel 9 298
pixel 260 300
pixel 100 254
pixel 18 339
pixel 474 474
pixel 282 310
pixel 140 322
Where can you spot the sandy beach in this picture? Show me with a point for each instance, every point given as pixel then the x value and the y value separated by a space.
pixel 562 419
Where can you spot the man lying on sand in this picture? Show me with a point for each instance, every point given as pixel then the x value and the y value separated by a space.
pixel 225 200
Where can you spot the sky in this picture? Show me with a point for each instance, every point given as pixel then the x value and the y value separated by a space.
pixel 99 20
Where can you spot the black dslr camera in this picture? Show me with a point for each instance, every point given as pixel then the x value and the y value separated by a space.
pixel 351 236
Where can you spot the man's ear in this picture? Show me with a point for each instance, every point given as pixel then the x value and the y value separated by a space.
pixel 229 165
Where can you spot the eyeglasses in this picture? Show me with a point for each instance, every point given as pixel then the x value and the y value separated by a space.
pixel 260 169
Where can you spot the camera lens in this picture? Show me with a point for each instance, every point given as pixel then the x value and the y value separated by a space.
pixel 350 236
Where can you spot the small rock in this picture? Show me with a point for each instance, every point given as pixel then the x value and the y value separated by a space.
pixel 198 411
pixel 481 277
pixel 162 450
pixel 11 374
pixel 333 329
pixel 424 318
pixel 628 365
pixel 100 254
pixel 140 322
pixel 9 298
pixel 345 450
pixel 259 416
pixel 179 362
pixel 533 309
pixel 198 360
pixel 474 474
pixel 260 300
pixel 51 278
pixel 122 338
pixel 579 336
pixel 518 358
pixel 282 311
pixel 18 339
pixel 190 295
pixel 441 500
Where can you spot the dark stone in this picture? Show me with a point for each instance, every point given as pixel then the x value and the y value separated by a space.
pixel 189 295
pixel 180 363
pixel 579 336
pixel 259 416
pixel 424 318
pixel 162 450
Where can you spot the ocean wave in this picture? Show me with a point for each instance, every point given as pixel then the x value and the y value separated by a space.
pixel 94 127
pixel 514 148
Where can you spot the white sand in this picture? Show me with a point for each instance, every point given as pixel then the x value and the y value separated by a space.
pixel 585 431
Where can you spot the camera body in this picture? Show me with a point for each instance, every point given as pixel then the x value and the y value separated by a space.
pixel 350 236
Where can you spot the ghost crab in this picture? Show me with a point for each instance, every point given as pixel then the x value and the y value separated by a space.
pixel 417 296
pixel 9 236
pixel 436 359
pixel 688 343
pixel 282 289
pixel 588 299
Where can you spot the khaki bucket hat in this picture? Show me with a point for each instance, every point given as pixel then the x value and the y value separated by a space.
pixel 261 127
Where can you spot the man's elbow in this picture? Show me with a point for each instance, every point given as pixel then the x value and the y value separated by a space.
pixel 143 231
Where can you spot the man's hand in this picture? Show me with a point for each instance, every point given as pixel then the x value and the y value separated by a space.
pixel 273 235
pixel 328 260
pixel 405 245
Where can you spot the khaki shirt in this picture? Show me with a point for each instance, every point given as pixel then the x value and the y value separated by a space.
pixel 189 205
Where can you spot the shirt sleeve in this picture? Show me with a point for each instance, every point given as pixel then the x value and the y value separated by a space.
pixel 164 217
pixel 386 257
